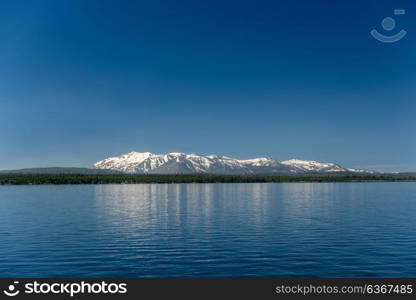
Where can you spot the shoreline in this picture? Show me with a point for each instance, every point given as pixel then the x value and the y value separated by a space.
pixel 65 179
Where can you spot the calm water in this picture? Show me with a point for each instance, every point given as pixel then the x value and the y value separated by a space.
pixel 200 230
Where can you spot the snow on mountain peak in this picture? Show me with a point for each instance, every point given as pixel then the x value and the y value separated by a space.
pixel 261 161
pixel 177 154
pixel 137 155
pixel 181 163
pixel 314 166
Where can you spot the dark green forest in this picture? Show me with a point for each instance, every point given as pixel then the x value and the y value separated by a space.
pixel 20 179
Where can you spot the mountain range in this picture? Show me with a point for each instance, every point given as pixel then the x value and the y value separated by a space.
pixel 181 163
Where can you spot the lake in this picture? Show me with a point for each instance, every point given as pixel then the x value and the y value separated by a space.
pixel 209 230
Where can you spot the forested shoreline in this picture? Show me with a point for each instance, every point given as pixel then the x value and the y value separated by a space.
pixel 27 179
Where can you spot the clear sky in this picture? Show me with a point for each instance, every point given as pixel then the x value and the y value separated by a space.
pixel 84 80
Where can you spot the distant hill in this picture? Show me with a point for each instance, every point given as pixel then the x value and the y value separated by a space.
pixel 403 174
pixel 60 170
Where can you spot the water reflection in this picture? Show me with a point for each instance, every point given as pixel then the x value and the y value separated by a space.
pixel 177 205
pixel 200 230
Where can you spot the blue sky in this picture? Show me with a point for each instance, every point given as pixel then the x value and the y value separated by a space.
pixel 84 80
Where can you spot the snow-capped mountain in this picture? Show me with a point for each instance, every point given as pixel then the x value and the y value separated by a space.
pixel 314 166
pixel 181 163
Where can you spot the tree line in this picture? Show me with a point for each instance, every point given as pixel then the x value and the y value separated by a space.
pixel 21 179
